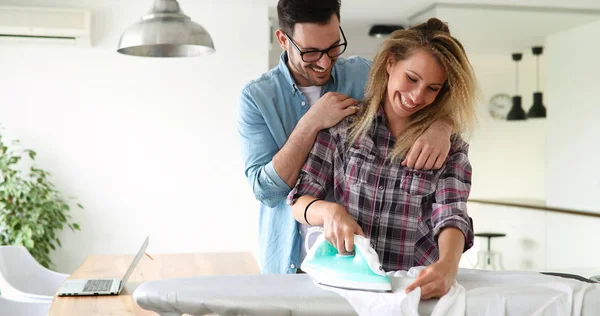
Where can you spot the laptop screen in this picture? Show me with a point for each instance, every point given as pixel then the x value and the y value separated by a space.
pixel 134 263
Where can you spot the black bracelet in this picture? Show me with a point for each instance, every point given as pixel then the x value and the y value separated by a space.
pixel 306 209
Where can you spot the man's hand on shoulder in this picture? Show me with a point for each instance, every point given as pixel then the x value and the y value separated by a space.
pixel 330 109
pixel 431 149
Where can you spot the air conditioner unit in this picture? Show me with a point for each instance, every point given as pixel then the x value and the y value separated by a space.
pixel 72 26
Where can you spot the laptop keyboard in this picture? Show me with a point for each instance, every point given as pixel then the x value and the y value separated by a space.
pixel 97 285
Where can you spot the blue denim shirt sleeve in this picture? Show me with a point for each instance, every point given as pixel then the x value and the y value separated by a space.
pixel 258 148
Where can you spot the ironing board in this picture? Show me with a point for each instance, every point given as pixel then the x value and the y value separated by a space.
pixel 264 295
pixel 297 295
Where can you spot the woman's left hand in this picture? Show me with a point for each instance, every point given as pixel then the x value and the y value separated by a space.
pixel 435 280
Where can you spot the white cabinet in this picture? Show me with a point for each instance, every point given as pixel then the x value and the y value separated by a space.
pixel 523 248
pixel 573 123
pixel 537 240
pixel 572 243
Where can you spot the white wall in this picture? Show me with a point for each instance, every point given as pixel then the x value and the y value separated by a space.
pixel 148 146
pixel 508 157
pixel 574 149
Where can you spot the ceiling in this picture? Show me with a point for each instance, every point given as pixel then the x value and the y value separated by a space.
pixel 508 33
pixel 495 29
pixel 391 10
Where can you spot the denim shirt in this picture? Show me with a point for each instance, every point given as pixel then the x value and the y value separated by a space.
pixel 269 109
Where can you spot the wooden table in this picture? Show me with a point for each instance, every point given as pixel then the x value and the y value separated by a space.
pixel 161 267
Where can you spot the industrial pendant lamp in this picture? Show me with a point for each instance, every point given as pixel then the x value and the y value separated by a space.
pixel 537 109
pixel 381 30
pixel 166 32
pixel 516 112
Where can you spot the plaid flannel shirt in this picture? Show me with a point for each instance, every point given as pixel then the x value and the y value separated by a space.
pixel 401 210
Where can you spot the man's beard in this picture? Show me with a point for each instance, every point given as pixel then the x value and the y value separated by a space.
pixel 310 75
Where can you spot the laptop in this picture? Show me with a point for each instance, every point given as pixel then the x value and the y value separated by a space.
pixel 87 287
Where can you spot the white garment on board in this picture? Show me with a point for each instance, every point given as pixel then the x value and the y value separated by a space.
pixel 481 292
pixel 516 293
pixel 397 302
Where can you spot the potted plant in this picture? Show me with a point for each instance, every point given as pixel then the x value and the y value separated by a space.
pixel 32 209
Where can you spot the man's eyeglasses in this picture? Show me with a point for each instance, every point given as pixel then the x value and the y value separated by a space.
pixel 315 54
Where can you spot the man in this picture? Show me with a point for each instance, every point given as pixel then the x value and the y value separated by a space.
pixel 281 112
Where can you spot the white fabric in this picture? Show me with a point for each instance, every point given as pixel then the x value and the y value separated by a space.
pixel 505 293
pixel 527 293
pixel 312 93
pixel 398 302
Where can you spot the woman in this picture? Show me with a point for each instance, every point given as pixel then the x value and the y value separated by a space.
pixel 412 217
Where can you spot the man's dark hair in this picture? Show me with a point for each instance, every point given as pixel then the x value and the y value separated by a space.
pixel 291 12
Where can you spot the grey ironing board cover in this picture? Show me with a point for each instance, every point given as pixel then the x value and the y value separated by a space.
pixel 514 292
pixel 264 295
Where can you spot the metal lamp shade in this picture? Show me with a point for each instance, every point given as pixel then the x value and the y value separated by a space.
pixel 166 32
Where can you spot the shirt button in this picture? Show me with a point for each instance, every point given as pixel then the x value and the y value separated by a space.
pixel 293 266
pixel 381 187
pixel 376 215
pixel 303 103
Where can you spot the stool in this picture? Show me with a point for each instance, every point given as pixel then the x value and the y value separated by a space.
pixel 487 259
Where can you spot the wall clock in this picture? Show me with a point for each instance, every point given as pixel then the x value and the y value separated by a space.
pixel 500 105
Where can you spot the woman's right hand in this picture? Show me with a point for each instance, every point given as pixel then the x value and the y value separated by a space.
pixel 339 228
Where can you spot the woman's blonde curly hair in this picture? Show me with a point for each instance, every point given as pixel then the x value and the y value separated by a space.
pixel 457 100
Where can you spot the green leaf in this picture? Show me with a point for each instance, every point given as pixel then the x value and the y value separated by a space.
pixel 32 209
pixel 18 239
pixel 29 243
pixel 39 230
pixel 27 232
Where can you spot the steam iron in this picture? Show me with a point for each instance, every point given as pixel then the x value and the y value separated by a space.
pixel 358 271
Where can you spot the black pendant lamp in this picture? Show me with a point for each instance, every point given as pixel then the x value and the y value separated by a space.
pixel 516 112
pixel 381 30
pixel 538 109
